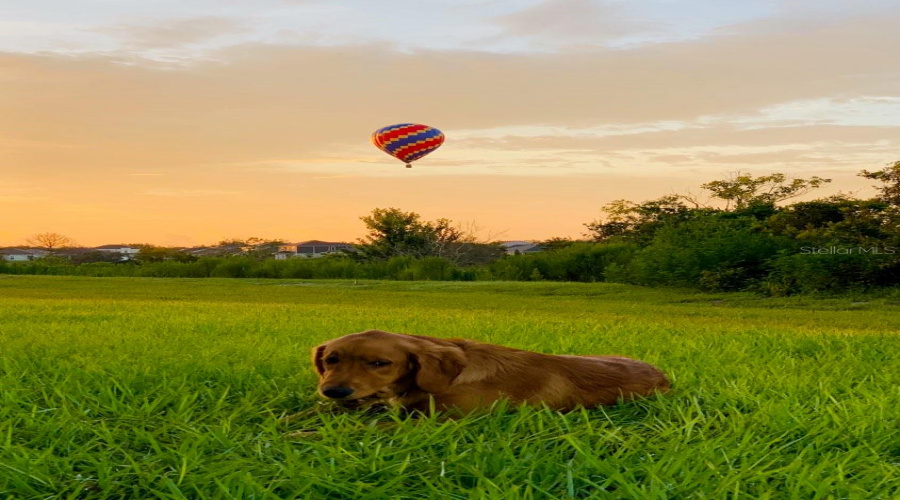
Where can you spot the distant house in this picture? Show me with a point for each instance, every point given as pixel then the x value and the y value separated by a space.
pixel 216 251
pixel 73 253
pixel 311 249
pixel 520 247
pixel 21 254
pixel 125 251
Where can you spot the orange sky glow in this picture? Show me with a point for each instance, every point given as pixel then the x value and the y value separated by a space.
pixel 178 127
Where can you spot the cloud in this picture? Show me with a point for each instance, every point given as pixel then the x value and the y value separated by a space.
pixel 571 21
pixel 312 108
pixel 191 193
pixel 170 33
pixel 300 91
pixel 237 136
pixel 718 135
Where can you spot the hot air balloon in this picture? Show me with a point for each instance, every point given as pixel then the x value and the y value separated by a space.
pixel 407 141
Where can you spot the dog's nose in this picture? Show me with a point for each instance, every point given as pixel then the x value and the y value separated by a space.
pixel 337 392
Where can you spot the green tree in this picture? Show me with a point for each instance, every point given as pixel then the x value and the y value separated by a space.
pixel 742 191
pixel 257 248
pixel 638 221
pixel 149 253
pixel 711 253
pixel 93 256
pixel 889 176
pixel 556 243
pixel 395 233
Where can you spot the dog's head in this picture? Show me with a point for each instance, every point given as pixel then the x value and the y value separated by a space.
pixel 374 366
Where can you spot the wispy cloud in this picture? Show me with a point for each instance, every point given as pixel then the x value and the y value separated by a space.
pixel 572 22
pixel 558 107
pixel 16 191
pixel 342 176
pixel 191 193
pixel 167 33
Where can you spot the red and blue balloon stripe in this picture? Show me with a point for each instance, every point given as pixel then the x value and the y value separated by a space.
pixel 407 141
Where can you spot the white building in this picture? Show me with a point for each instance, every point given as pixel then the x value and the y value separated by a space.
pixel 311 249
pixel 21 254
pixel 127 252
pixel 519 247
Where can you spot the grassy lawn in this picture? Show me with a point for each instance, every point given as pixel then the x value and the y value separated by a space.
pixel 171 388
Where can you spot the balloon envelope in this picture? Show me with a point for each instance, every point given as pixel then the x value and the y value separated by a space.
pixel 407 141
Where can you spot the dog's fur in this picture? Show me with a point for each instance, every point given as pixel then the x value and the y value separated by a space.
pixel 411 370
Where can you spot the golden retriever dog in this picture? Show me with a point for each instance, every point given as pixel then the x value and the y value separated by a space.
pixel 410 371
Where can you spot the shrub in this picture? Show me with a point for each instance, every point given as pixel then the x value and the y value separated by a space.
pixel 577 262
pixel 712 253
pixel 805 273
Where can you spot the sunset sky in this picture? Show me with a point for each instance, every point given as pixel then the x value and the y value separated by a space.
pixel 184 122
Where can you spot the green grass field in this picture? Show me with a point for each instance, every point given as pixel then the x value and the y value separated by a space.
pixel 172 388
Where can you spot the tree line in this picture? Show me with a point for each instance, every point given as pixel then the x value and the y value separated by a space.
pixel 736 234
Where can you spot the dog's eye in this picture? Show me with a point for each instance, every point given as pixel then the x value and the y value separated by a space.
pixel 379 363
pixel 331 360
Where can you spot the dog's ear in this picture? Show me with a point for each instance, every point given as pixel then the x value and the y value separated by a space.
pixel 437 367
pixel 317 359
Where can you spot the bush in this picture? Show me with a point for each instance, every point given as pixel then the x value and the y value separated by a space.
pixel 577 262
pixel 712 253
pixel 806 273
pixel 201 268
